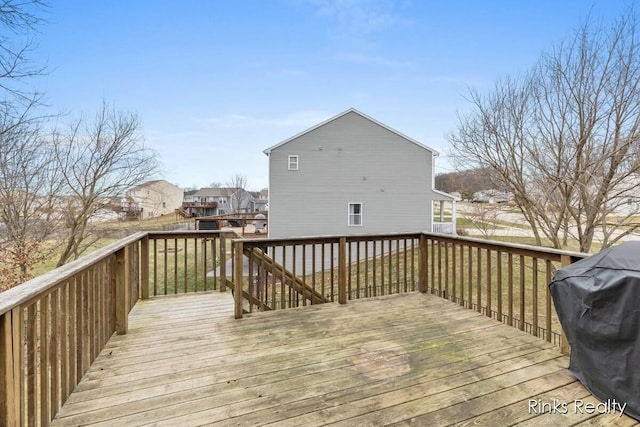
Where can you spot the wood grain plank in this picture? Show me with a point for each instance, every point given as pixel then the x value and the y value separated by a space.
pixel 402 356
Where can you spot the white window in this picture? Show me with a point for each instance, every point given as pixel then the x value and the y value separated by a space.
pixel 355 214
pixel 293 163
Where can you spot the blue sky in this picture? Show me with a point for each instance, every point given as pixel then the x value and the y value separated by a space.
pixel 217 82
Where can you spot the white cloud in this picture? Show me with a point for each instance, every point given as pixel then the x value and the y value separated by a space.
pixel 359 16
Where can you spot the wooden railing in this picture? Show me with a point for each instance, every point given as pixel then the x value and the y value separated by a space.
pixel 505 281
pixel 192 261
pixel 508 282
pixel 53 327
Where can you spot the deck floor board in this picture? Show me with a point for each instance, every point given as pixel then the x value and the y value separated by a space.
pixel 409 359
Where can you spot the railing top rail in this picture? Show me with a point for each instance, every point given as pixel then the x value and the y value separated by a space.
pixel 328 238
pixel 188 233
pixel 517 248
pixel 26 291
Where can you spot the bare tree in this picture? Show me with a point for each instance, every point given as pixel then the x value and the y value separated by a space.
pixel 98 160
pixel 19 19
pixel 564 137
pixel 237 192
pixel 484 218
pixel 26 177
pixel 28 182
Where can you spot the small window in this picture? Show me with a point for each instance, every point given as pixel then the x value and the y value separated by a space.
pixel 355 214
pixel 293 163
pixel 164 204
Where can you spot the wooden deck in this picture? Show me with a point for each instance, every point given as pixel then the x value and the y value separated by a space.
pixel 406 359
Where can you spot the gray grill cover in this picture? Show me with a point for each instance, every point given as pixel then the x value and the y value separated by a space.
pixel 598 304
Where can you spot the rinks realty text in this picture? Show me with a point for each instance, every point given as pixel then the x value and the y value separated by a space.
pixel 578 406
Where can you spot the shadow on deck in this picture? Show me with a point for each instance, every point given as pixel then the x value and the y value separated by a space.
pixel 408 359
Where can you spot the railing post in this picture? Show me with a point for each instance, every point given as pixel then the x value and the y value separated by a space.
pixel 565 349
pixel 122 290
pixel 422 264
pixel 238 278
pixel 342 270
pixel 223 261
pixel 10 368
pixel 144 267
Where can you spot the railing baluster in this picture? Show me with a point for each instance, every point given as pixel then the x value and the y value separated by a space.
pixel 185 267
pixel 548 300
pixel 196 243
pixel 250 279
pixel 44 359
pixel 374 255
pixel 313 268
pixel 367 285
pixel 522 294
pixel 213 262
pixel 470 293
pixel 499 271
pixel 223 262
pixel 478 280
pixel 462 300
pixel 447 287
pixel 382 284
pixel 332 273
pixel 342 271
pixel 322 270
pixel 405 248
pixel 390 265
pixel 423 264
pixel 413 261
pixel 144 267
pixel 433 266
pixel 535 296
pixel 155 267
pixel 175 266
pixel 510 291
pixel 489 284
pixel 454 293
pixel 284 297
pixel 304 274
pixel 358 296
pixel 31 338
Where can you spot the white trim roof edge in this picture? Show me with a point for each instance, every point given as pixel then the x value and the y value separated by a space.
pixel 350 110
pixel 442 193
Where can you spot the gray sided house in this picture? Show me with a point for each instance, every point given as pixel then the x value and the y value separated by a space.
pixel 353 175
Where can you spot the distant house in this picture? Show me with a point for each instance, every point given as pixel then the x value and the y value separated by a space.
pixel 217 201
pixel 260 200
pixel 153 198
pixel 354 175
pixel 492 196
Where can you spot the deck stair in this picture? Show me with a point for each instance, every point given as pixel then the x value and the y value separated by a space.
pixel 277 270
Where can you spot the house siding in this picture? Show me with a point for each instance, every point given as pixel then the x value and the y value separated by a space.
pixel 156 198
pixel 350 160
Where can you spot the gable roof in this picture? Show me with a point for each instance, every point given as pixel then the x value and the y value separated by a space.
pixel 351 110
pixel 147 184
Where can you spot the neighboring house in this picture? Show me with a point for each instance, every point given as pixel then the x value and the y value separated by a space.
pixel 492 196
pixel 353 175
pixel 153 198
pixel 260 200
pixel 217 201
